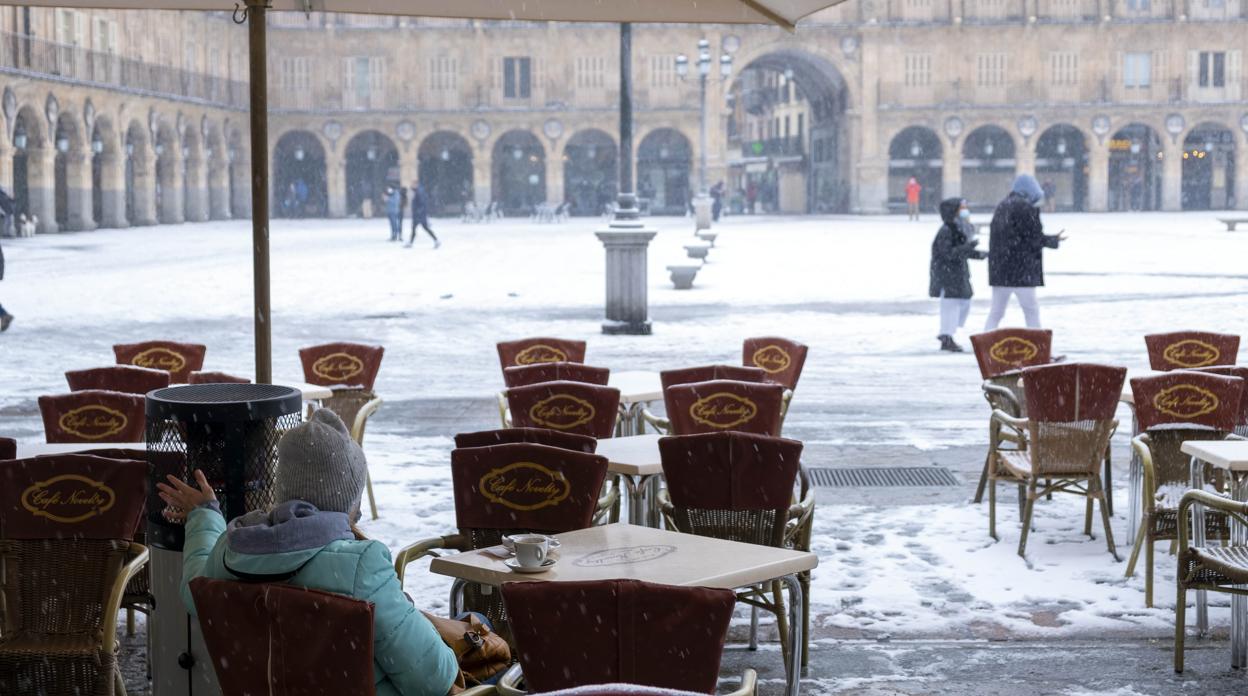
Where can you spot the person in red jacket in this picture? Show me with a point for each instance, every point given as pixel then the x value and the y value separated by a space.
pixel 913 189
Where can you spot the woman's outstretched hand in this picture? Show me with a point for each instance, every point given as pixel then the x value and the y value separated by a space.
pixel 180 498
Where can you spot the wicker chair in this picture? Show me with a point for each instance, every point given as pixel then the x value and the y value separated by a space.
pixel 215 378
pixel 127 379
pixel 1219 568
pixel 702 373
pixel 525 375
pixel 63 571
pixel 678 646
pixel 540 349
pixel 781 359
pixel 740 486
pixel 240 620
pixel 341 365
pixel 537 436
pixel 1172 408
pixel 1185 350
pixel 94 415
pixel 1070 420
pixel 355 406
pixel 178 359
pixel 720 405
pixel 570 407
pixel 486 509
pixel 1240 371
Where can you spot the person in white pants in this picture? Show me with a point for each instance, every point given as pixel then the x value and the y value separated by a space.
pixel 950 273
pixel 1016 252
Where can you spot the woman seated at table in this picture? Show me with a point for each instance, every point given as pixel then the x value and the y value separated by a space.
pixel 307 540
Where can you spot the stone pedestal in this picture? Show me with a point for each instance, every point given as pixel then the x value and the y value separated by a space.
pixel 701 212
pixel 626 242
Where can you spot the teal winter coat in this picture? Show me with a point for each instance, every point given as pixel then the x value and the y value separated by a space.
pixel 409 657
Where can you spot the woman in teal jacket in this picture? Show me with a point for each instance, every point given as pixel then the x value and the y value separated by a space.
pixel 307 540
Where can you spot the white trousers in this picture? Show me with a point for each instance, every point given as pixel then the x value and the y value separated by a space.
pixel 953 313
pixel 1026 300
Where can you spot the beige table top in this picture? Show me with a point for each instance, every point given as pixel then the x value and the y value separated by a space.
pixel 311 392
pixel 43 448
pixel 637 386
pixel 1223 454
pixel 622 550
pixel 635 455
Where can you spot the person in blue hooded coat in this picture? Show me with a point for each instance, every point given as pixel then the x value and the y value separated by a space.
pixel 1016 246
pixel 307 540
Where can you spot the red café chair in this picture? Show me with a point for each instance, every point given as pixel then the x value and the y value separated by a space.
pixel 723 404
pixel 488 506
pixel 94 415
pixel 215 378
pixel 540 349
pixel 247 660
pixel 353 365
pixel 1186 350
pixel 1173 408
pixel 537 436
pixel 178 359
pixel 703 373
pixel 678 645
pixel 66 528
pixel 1240 371
pixel 570 407
pixel 781 358
pixel 524 375
pixel 127 379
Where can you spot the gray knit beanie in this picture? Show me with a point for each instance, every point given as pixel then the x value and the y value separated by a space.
pixel 319 463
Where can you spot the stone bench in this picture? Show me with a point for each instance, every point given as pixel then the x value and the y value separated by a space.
pixel 1232 222
pixel 697 251
pixel 682 276
pixel 708 237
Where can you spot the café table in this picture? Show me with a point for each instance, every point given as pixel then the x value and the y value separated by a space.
pixel 311 392
pixel 637 389
pixel 43 448
pixel 636 458
pixel 1230 456
pixel 616 551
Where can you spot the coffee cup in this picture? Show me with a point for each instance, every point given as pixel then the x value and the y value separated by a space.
pixel 531 550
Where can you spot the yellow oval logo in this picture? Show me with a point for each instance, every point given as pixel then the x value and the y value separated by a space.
pixel 160 359
pixel 1191 353
pixel 540 353
pixel 68 498
pixel 1014 351
pixel 1186 401
pixel 723 410
pixel 337 367
pixel 524 486
pixel 562 411
pixel 93 422
pixel 772 359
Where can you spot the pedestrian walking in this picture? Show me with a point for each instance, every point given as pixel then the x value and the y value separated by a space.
pixel 717 200
pixel 420 214
pixel 394 211
pixel 1015 251
pixel 751 196
pixel 950 280
pixel 5 317
pixel 913 190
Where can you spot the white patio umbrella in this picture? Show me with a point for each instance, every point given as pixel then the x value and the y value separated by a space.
pixel 784 13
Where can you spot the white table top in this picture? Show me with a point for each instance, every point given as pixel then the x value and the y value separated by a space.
pixel 1223 454
pixel 635 455
pixel 42 448
pixel 311 392
pixel 653 555
pixel 637 386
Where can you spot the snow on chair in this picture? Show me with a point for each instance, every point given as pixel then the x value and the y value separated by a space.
pixel 94 415
pixel 521 375
pixel 1186 350
pixel 178 359
pixel 127 379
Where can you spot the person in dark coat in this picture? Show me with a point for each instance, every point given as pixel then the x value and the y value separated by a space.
pixel 1015 251
pixel 717 200
pixel 5 317
pixel 420 214
pixel 951 274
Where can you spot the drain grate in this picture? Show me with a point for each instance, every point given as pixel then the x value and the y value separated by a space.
pixel 883 476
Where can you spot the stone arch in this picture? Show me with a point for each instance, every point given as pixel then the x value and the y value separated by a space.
pixel 194 184
pixel 664 170
pixel 444 162
pixel 591 171
pixel 915 151
pixel 169 179
pixel 72 172
pixel 518 176
pixel 33 182
pixel 989 160
pixel 218 172
pixel 107 186
pixel 1209 152
pixel 1062 167
pixel 300 184
pixel 1135 167
pixel 372 163
pixel 140 175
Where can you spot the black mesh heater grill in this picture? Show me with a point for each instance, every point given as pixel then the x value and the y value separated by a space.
pixel 230 431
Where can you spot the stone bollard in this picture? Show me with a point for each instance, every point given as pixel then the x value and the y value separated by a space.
pixel 627 300
pixel 701 212
pixel 697 251
pixel 682 276
pixel 708 237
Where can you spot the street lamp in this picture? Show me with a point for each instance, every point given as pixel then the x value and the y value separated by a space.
pixel 915 149
pixel 702 200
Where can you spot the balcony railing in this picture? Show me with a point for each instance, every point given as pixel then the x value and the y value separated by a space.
pixel 773 147
pixel 29 54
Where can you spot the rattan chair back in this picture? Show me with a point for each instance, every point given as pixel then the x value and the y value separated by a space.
pixel 539 349
pixel 1185 350
pixel 706 373
pixel 537 436
pixel 633 632
pixel 1012 382
pixel 782 359
pixel 1240 371
pixel 94 415
pixel 1184 398
pixel 127 379
pixel 341 364
pixel 346 403
pixel 215 378
pixel 310 660
pixel 1006 350
pixel 570 407
pixel 1070 411
pixel 8 448
pixel 523 375
pixel 722 405
pixel 178 359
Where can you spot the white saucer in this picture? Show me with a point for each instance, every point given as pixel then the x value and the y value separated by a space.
pixel 517 568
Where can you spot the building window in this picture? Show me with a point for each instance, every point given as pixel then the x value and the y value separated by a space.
pixel 801 126
pixel 663 71
pixel 443 74
pixel 590 72
pixel 517 78
pixel 364 79
pixel 918 68
pixel 294 81
pixel 1137 70
pixel 1063 68
pixel 1212 69
pixel 990 69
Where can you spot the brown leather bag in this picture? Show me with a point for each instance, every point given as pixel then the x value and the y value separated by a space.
pixel 480 652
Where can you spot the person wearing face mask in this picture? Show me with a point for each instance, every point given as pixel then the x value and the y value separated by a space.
pixel 950 280
pixel 1015 252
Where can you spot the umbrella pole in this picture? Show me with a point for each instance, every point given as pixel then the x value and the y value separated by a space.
pixel 626 208
pixel 259 85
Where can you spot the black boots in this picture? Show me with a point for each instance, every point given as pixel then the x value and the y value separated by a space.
pixel 946 343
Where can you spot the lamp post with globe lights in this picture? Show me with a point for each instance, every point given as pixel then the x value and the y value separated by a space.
pixel 702 201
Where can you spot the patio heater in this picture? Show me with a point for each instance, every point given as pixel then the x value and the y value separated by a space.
pixel 230 432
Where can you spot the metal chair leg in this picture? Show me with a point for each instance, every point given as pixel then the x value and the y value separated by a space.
pixel 368 485
pixel 1180 626
pixel 1022 539
pixel 753 628
pixel 1109 532
pixel 983 479
pixel 992 508
pixel 1141 537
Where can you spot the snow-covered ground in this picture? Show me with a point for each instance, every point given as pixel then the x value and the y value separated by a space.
pixel 854 289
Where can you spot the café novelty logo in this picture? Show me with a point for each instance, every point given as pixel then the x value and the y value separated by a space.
pixel 723 410
pixel 337 367
pixel 1014 351
pixel 68 498
pixel 540 353
pixel 93 422
pixel 160 359
pixel 524 486
pixel 1191 353
pixel 561 411
pixel 772 359
pixel 1186 401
